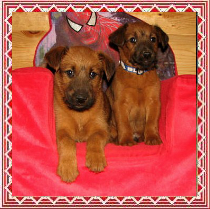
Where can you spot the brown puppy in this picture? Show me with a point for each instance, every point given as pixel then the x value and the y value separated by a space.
pixel 135 90
pixel 81 108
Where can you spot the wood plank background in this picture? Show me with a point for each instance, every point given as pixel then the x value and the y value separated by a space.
pixel 28 29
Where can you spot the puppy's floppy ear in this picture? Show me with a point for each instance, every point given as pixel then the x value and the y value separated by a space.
pixel 118 36
pixel 162 38
pixel 108 65
pixel 55 55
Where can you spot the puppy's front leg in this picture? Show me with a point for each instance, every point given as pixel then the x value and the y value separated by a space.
pixel 67 165
pixel 95 157
pixel 125 132
pixel 153 106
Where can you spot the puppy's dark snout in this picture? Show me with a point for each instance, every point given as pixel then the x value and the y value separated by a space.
pixel 81 98
pixel 147 54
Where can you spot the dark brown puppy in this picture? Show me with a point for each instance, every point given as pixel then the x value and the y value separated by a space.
pixel 81 108
pixel 135 90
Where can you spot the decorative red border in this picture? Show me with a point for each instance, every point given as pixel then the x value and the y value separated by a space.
pixel 202 9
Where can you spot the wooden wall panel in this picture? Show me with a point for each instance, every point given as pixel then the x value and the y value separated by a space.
pixel 28 28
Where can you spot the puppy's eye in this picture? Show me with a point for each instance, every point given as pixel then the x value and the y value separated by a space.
pixel 133 40
pixel 93 75
pixel 153 39
pixel 70 73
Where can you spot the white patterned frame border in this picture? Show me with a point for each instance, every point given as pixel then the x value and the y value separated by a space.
pixel 202 198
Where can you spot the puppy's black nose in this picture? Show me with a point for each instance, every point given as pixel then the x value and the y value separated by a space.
pixel 147 54
pixel 81 98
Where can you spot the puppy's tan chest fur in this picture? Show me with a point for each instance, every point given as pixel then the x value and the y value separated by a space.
pixel 133 87
pixel 76 123
pixel 81 125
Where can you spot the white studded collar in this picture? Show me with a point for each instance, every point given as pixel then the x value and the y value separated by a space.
pixel 132 69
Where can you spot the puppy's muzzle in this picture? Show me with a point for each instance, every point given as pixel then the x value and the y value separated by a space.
pixel 147 55
pixel 79 100
pixel 143 59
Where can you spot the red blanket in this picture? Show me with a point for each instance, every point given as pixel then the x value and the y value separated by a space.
pixel 141 170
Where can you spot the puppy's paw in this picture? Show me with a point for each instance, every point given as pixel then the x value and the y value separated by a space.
pixel 67 170
pixel 138 137
pixel 153 140
pixel 126 141
pixel 96 161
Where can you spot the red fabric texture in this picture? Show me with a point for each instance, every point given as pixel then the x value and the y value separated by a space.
pixel 140 170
